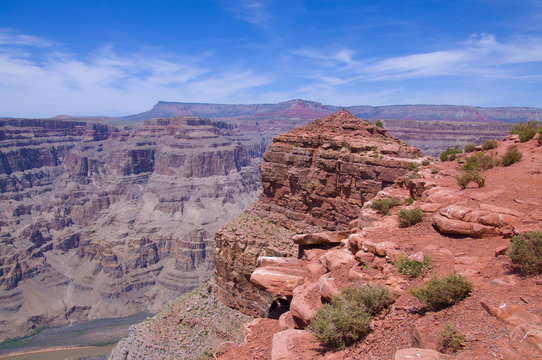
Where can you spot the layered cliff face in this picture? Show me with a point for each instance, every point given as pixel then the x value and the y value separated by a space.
pixel 314 178
pixel 431 128
pixel 98 221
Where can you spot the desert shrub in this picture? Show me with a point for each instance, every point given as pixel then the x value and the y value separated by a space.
pixel 490 144
pixel 384 205
pixel 466 178
pixel 449 153
pixel 449 339
pixel 511 156
pixel 409 217
pixel 411 166
pixel 434 171
pixel 540 136
pixel 526 252
pixel 409 201
pixel 379 124
pixel 469 147
pixel 412 268
pixel 480 162
pixel 426 162
pixel 347 317
pixel 440 293
pixel 526 131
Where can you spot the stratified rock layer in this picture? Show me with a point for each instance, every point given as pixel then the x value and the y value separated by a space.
pixel 314 178
pixel 98 221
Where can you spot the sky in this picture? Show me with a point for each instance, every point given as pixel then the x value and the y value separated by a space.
pixel 113 58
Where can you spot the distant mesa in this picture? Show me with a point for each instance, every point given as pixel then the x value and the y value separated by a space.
pixel 303 109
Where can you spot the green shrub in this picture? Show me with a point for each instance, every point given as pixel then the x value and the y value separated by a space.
pixel 384 205
pixel 409 217
pixel 409 201
pixel 526 131
pixel 469 147
pixel 440 293
pixel 466 178
pixel 511 156
pixel 412 166
pixel 480 162
pixel 526 252
pixel 379 124
pixel 449 339
pixel 540 136
pixel 449 153
pixel 412 268
pixel 426 162
pixel 490 144
pixel 434 171
pixel 348 317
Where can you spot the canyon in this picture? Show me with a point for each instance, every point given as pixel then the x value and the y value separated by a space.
pixel 314 231
pixel 106 217
pixel 99 221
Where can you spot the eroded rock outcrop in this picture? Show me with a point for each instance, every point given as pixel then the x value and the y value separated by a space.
pixel 314 178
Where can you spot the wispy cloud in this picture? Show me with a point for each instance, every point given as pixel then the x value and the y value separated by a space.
pixel 251 11
pixel 51 82
pixel 10 37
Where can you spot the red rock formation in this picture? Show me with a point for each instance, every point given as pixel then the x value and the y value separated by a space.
pixel 315 177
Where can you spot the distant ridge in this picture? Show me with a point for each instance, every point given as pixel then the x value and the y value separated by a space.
pixel 309 110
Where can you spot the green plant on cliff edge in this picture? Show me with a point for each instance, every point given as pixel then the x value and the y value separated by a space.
pixel 526 131
pixel 467 177
pixel 525 250
pixel 384 205
pixel 449 339
pixel 409 217
pixel 412 268
pixel 347 318
pixel 440 293
pixel 450 153
pixel 511 156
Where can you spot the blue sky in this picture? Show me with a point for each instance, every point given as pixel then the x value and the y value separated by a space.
pixel 121 57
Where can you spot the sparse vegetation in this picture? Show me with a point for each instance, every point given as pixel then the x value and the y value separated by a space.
pixel 469 147
pixel 412 268
pixel 426 162
pixel 409 201
pixel 384 205
pixel 434 171
pixel 412 166
pixel 379 124
pixel 347 318
pixel 490 144
pixel 511 156
pixel 540 136
pixel 525 250
pixel 466 178
pixel 449 339
pixel 526 131
pixel 409 217
pixel 450 153
pixel 480 162
pixel 440 293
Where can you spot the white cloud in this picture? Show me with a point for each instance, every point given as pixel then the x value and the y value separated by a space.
pixel 9 37
pixel 48 83
pixel 251 11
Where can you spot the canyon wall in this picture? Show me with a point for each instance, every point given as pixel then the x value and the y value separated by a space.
pixel 314 178
pixel 99 221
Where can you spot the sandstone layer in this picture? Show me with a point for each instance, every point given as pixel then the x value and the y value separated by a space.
pixel 99 221
pixel 314 178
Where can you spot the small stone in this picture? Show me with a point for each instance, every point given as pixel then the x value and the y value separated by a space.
pixel 501 250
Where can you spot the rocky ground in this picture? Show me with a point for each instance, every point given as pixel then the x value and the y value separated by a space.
pixel 463 231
